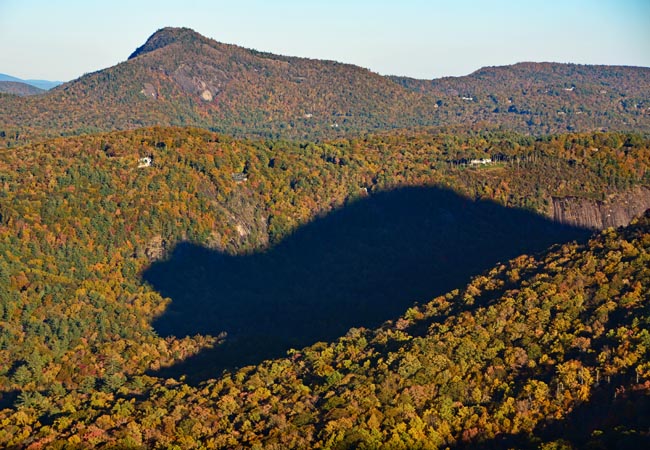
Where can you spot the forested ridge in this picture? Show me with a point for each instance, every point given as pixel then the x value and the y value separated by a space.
pixel 82 220
pixel 181 78
pixel 501 362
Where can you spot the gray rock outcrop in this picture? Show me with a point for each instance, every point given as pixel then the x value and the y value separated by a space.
pixel 618 209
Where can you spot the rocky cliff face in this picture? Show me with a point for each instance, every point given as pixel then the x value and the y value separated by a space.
pixel 618 209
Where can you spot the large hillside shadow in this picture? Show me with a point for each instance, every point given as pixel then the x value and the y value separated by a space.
pixel 358 266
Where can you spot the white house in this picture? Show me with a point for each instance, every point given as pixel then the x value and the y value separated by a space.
pixel 145 162
pixel 478 162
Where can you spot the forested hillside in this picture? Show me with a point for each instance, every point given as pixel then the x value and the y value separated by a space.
pixel 179 77
pixel 18 88
pixel 547 97
pixel 91 228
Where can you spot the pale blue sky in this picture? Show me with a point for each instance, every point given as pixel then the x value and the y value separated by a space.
pixel 62 39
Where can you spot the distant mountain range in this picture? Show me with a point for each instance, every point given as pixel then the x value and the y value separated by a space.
pixel 41 84
pixel 18 88
pixel 179 77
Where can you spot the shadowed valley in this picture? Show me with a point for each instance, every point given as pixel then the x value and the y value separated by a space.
pixel 357 267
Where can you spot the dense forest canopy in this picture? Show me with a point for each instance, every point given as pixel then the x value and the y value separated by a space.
pixel 83 220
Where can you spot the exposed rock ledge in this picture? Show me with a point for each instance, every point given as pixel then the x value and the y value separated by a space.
pixel 617 210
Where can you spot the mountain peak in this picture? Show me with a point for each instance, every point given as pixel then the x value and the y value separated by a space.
pixel 165 37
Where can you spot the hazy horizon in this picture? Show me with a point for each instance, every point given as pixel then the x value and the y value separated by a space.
pixel 414 38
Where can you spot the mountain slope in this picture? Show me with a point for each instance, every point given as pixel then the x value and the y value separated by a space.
pixel 5 77
pixel 19 88
pixel 179 77
pixel 545 95
pixel 185 79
